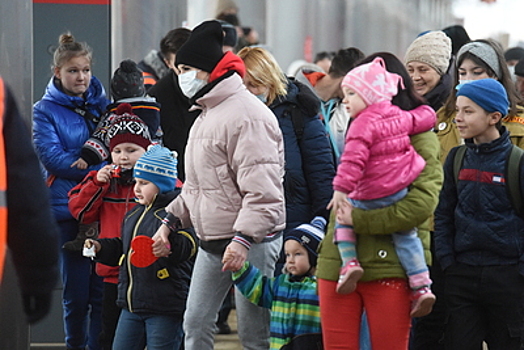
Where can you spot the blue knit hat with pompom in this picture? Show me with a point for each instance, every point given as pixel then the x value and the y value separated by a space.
pixel 159 166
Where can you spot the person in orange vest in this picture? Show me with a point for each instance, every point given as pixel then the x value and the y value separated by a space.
pixel 157 64
pixel 28 233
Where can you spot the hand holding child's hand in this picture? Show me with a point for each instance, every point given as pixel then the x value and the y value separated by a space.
pixel 80 164
pixel 339 199
pixel 161 246
pixel 234 257
pixel 344 214
pixel 104 175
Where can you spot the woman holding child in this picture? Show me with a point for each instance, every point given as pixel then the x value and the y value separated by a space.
pixel 383 285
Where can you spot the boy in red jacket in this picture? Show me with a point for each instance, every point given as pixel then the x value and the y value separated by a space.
pixel 106 195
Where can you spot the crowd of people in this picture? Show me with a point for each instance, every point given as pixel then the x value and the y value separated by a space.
pixel 366 202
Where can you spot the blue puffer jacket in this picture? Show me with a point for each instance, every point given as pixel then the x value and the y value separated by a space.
pixel 475 223
pixel 59 134
pixel 309 163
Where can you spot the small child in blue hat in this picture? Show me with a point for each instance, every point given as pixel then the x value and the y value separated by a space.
pixel 479 236
pixel 292 296
pixel 153 294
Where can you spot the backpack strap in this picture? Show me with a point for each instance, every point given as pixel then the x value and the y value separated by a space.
pixel 457 162
pixel 512 176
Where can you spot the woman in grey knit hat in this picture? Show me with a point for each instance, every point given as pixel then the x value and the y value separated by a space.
pixel 480 59
pixel 427 61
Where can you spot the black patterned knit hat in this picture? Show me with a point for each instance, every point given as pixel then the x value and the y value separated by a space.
pixel 127 127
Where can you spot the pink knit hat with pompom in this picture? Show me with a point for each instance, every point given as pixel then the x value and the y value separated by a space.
pixel 372 82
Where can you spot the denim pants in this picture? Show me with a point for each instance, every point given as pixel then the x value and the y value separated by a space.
pixel 407 244
pixel 209 286
pixel 82 294
pixel 158 332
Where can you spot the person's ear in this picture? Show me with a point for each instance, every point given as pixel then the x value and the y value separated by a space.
pixel 494 117
pixel 56 72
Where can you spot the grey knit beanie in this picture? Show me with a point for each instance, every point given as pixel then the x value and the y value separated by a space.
pixel 483 51
pixel 433 49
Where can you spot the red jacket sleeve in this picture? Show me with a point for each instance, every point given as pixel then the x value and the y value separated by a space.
pixel 85 199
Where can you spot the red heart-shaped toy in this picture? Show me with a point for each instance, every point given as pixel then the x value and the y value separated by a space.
pixel 142 254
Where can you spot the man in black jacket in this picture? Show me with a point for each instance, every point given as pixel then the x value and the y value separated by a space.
pixel 175 117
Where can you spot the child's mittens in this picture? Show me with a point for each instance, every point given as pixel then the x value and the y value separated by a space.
pixel 142 251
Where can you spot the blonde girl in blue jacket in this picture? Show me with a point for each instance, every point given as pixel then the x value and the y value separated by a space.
pixel 63 120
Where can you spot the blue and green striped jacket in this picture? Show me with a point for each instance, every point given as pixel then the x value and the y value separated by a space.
pixel 294 305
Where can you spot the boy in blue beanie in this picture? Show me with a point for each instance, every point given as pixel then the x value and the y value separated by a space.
pixel 152 295
pixel 292 296
pixel 479 237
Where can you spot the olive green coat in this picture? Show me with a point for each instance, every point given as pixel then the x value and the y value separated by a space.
pixel 374 227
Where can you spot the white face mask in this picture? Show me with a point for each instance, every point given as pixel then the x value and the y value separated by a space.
pixel 190 84
pixel 512 73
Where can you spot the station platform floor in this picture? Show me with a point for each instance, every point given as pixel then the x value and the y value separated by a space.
pixel 222 341
pixel 229 341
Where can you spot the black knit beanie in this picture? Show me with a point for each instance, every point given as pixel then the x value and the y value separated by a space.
pixel 230 34
pixel 127 81
pixel 203 49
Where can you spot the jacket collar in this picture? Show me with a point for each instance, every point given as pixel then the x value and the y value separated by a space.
pixel 217 91
pixel 496 145
pixel 93 96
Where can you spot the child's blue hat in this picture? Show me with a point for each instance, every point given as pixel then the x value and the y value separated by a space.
pixel 309 235
pixel 159 166
pixel 487 93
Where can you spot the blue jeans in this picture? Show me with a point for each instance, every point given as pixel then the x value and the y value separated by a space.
pixel 158 332
pixel 407 244
pixel 82 294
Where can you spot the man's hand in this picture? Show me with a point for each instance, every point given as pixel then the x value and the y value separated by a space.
pixel 234 257
pixel 161 246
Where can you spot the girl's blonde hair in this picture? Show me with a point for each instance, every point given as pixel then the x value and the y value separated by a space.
pixel 69 48
pixel 263 70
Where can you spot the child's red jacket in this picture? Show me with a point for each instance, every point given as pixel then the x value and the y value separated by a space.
pixel 91 201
